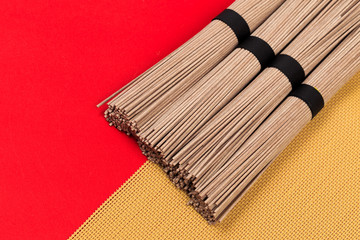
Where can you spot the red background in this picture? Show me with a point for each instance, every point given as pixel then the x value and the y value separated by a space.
pixel 59 160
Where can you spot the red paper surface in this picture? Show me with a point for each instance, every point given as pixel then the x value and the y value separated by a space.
pixel 59 160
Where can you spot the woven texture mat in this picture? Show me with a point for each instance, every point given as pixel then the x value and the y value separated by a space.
pixel 312 190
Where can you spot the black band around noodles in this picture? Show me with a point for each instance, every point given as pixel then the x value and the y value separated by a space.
pixel 291 68
pixel 236 22
pixel 310 96
pixel 261 49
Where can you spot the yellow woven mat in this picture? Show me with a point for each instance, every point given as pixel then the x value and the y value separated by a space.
pixel 311 191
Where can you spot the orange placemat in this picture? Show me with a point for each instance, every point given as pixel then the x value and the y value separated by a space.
pixel 311 191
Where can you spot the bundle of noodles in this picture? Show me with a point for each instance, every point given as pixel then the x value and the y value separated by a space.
pixel 271 138
pixel 205 164
pixel 162 136
pixel 188 63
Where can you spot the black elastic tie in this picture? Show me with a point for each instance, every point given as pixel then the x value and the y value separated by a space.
pixel 310 96
pixel 236 22
pixel 261 49
pixel 291 68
